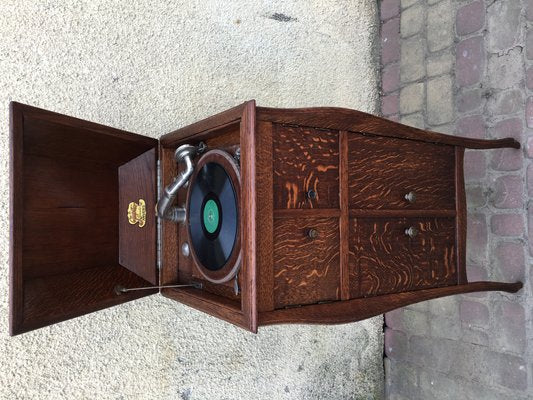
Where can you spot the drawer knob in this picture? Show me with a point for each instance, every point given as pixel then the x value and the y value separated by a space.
pixel 410 197
pixel 311 194
pixel 312 233
pixel 411 232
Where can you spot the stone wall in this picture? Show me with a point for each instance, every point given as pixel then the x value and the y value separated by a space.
pixel 466 68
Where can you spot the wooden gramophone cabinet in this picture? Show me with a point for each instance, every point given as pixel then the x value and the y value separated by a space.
pixel 343 216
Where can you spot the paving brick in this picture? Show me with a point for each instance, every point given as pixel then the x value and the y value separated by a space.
pixel 434 385
pixel 474 313
pixel 390 104
pixel 476 238
pixel 440 26
pixel 444 307
pixel 529 148
pixel 412 20
pixel 470 18
pixel 509 333
pixel 430 353
pixel 472 127
pixel 390 78
pixel 389 9
pixel 394 319
pixel 475 196
pixel 440 108
pixel 503 25
pixel 412 65
pixel 505 102
pixel 509 371
pixel 507 192
pixel 415 322
pixel 390 43
pixel 403 380
pixel 475 335
pixel 445 328
pixel 415 120
pixel 469 100
pixel 408 3
pixel 476 272
pixel 475 166
pixel 507 224
pixel 510 261
pixel 439 64
pixel 470 57
pixel 507 160
pixel 412 98
pixel 395 344
pixel 395 117
pixel 529 77
pixel 529 112
pixel 505 70
pixel 512 127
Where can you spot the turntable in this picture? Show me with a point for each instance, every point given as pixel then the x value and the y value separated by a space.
pixel 255 215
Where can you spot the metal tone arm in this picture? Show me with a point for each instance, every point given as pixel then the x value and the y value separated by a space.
pixel 165 210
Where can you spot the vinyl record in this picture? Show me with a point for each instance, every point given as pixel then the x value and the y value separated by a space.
pixel 213 216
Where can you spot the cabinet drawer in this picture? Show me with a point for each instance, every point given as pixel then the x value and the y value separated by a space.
pixel 385 259
pixel 306 270
pixel 383 171
pixel 306 167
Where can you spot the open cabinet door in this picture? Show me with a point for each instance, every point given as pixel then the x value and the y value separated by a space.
pixel 71 241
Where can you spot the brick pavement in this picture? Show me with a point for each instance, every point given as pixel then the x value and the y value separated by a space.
pixel 466 67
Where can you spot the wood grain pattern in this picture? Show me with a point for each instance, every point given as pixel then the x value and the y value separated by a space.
pixel 461 224
pixel 354 310
pixel 306 270
pixel 305 159
pixel 357 121
pixel 383 170
pixel 265 218
pixel 171 271
pixel 206 128
pixel 65 221
pixel 385 260
pixel 344 223
pixel 138 245
pixel 60 297
pixel 249 215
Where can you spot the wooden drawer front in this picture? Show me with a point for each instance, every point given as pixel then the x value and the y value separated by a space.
pixel 382 171
pixel 305 159
pixel 306 270
pixel 384 259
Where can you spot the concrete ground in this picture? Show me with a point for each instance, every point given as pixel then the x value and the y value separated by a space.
pixel 151 67
pixel 466 67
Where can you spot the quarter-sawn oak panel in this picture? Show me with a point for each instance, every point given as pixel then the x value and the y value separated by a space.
pixel 383 259
pixel 305 159
pixel 383 170
pixel 306 270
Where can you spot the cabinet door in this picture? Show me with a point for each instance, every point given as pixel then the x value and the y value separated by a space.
pixel 64 251
pixel 391 255
pixel 306 167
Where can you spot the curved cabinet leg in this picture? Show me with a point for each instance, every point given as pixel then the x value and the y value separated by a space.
pixel 340 312
pixel 491 144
